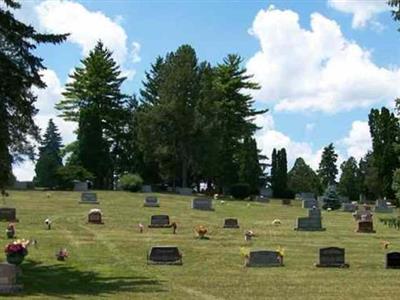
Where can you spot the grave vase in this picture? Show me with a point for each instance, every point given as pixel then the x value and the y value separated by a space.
pixel 15 259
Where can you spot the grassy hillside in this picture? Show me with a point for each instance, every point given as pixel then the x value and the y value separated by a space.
pixel 110 260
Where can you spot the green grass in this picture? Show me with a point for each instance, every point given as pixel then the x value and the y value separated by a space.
pixel 109 261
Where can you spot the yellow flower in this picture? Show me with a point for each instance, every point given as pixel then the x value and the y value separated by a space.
pixel 244 251
pixel 281 251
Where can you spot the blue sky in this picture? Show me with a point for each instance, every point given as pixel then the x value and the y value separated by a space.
pixel 322 64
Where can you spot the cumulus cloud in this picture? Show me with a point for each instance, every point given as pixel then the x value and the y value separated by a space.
pixel 269 138
pixel 317 69
pixel 358 141
pixel 363 11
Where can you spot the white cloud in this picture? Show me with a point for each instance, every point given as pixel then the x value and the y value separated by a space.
pixel 135 52
pixel 310 127
pixel 269 138
pixel 363 11
pixel 358 141
pixel 316 69
pixel 47 98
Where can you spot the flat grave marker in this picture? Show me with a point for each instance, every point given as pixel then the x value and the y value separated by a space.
pixel 88 198
pixel 231 223
pixel 151 201
pixel 202 204
pixel 264 258
pixel 164 255
pixel 159 221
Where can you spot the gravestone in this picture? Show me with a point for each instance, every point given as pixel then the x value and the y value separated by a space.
pixel 392 260
pixel 332 257
pixel 286 201
pixel 159 221
pixel 349 207
pixel 310 223
pixel 264 258
pixel 80 186
pixel 202 203
pixel 365 226
pixel 184 191
pixel 309 203
pixel 146 189
pixel 266 192
pixel 363 213
pixel 382 207
pixel 95 216
pixel 8 214
pixel 231 223
pixel 262 199
pixel 305 196
pixel 168 255
pixel 89 198
pixel 8 279
pixel 151 201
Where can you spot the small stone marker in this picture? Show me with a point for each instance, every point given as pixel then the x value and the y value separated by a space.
pixel 168 255
pixel 202 203
pixel 151 201
pixel 184 191
pixel 8 214
pixel 349 207
pixel 95 216
pixel 286 201
pixel 262 199
pixel 89 198
pixel 392 260
pixel 80 186
pixel 264 258
pixel 8 279
pixel 231 223
pixel 146 189
pixel 365 226
pixel 310 223
pixel 382 207
pixel 160 221
pixel 332 257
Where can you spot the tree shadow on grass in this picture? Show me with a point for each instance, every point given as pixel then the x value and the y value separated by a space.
pixel 65 281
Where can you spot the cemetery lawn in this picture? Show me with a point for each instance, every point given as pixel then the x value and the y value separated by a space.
pixel 109 260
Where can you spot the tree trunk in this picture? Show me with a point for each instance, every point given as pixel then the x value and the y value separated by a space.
pixel 5 156
pixel 184 172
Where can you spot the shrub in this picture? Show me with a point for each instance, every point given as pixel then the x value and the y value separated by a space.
pixel 131 182
pixel 66 175
pixel 240 190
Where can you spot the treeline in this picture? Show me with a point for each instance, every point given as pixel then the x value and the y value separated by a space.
pixel 191 123
pixel 376 175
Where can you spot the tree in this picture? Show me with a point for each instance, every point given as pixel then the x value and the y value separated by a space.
pixel 93 98
pixel 327 167
pixel 384 129
pixel 349 184
pixel 49 157
pixel 368 177
pixel 396 11
pixel 302 178
pixel 279 177
pixel 19 72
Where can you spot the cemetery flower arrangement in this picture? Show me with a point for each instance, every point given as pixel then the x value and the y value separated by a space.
pixel 62 254
pixel 245 252
pixel 201 231
pixel 16 251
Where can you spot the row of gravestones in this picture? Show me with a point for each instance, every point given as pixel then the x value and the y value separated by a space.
pixel 330 257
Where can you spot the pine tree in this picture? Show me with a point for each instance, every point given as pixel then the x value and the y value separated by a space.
pixel 327 167
pixel 279 176
pixel 274 172
pixel 49 158
pixel 396 9
pixel 94 100
pixel 349 183
pixel 19 72
pixel 301 178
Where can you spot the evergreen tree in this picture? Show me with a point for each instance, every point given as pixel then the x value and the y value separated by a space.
pixel 49 157
pixel 274 172
pixel 93 99
pixel 279 177
pixel 302 178
pixel 327 167
pixel 19 72
pixel 368 178
pixel 384 129
pixel 349 184
pixel 395 4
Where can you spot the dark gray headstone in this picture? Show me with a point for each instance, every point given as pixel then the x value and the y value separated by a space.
pixel 164 255
pixel 264 258
pixel 309 203
pixel 8 279
pixel 332 257
pixel 8 214
pixel 159 221
pixel 202 203
pixel 151 201
pixel 89 198
pixel 392 260
pixel 231 223
pixel 80 186
pixel 146 189
pixel 311 223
